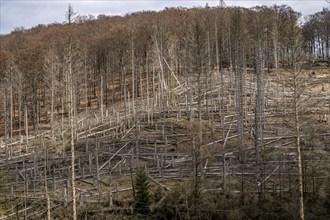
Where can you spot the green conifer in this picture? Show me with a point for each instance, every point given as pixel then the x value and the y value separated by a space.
pixel 142 195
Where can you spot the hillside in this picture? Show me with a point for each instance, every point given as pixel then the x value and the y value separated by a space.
pixel 225 109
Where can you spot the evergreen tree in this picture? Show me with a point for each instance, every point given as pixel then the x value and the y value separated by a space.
pixel 158 195
pixel 142 195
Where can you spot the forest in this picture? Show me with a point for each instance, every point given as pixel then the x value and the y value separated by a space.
pixel 186 113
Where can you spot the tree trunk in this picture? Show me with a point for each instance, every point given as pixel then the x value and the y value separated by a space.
pixel 260 103
pixel 297 130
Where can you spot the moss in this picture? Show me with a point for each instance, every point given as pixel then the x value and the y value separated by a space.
pixel 2 212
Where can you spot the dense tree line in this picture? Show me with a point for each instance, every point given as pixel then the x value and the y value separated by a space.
pixel 316 33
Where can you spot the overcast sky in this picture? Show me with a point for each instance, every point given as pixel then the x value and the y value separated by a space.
pixel 29 13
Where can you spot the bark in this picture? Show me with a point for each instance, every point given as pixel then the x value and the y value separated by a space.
pixel 297 131
pixel 71 108
pixel 260 103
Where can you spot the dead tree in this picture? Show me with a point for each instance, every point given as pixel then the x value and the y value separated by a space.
pixel 260 96
pixel 238 67
pixel 70 18
pixel 297 84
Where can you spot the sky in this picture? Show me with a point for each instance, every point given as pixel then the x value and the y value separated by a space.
pixel 30 13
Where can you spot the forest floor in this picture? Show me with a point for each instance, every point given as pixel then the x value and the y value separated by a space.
pixel 175 148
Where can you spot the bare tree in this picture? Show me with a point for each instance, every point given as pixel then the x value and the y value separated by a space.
pixel 260 94
pixel 297 83
pixel 239 65
pixel 5 111
pixel 70 18
pixel 51 66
